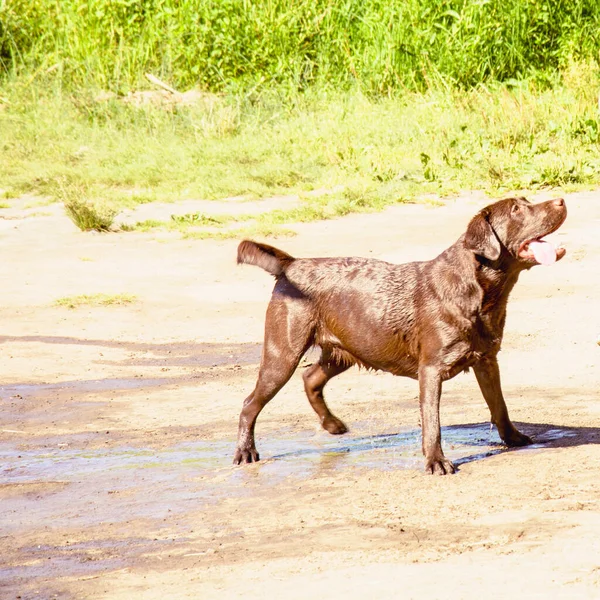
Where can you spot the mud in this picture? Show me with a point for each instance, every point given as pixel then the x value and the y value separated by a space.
pixel 118 424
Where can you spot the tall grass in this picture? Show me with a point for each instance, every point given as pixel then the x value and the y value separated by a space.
pixel 386 99
pixel 377 45
pixel 496 137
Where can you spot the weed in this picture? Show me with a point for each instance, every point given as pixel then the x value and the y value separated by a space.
pixel 560 174
pixel 95 300
pixel 428 170
pixel 86 215
pixel 39 213
pixel 89 217
pixel 587 129
pixel 255 230
pixel 199 219
pixel 150 224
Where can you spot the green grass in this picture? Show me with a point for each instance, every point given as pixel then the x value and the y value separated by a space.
pixel 256 230
pixel 367 102
pixel 372 152
pixel 181 222
pixel 197 219
pixel 95 300
pixel 86 214
pixel 39 213
pixel 318 208
pixel 89 217
pixel 379 46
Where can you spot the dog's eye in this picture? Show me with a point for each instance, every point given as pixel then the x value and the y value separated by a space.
pixel 515 208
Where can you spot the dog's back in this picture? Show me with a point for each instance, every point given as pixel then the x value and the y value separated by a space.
pixel 359 308
pixel 347 276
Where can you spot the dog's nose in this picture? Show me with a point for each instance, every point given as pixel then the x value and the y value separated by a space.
pixel 559 202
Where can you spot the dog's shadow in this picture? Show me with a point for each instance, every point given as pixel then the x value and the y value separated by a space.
pixel 462 443
pixel 544 435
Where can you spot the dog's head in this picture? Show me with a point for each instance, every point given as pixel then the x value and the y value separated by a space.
pixel 514 229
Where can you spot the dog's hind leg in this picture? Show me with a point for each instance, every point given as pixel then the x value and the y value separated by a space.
pixel 315 378
pixel 288 335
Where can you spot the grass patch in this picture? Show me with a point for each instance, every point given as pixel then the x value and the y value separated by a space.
pixel 4 205
pixel 178 223
pixel 148 225
pixel 376 151
pixel 256 230
pixel 96 300
pixel 191 228
pixel 331 206
pixel 39 213
pixel 392 101
pixel 89 217
pixel 86 214
pixel 9 195
pixel 383 47
pixel 197 219
pixel 316 208
pixel 40 202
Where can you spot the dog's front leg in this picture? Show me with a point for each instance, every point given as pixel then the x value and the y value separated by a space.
pixel 488 377
pixel 430 390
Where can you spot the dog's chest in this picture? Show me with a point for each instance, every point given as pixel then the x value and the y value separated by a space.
pixel 465 346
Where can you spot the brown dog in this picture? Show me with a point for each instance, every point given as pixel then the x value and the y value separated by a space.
pixel 426 320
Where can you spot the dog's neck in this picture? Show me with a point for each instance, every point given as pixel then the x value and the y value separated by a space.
pixel 496 279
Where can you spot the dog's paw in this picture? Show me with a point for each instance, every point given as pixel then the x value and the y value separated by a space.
pixel 245 455
pixel 439 465
pixel 516 438
pixel 334 426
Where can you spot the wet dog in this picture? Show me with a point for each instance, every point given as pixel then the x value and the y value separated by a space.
pixel 425 320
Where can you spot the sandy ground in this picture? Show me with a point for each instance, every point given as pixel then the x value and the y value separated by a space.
pixel 118 424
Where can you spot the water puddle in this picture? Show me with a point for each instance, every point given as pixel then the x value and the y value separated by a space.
pixel 295 455
pixel 122 491
pixel 299 455
pixel 186 475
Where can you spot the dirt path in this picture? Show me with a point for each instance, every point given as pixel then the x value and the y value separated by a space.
pixel 117 428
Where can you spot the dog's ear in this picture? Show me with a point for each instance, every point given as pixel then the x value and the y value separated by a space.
pixel 481 239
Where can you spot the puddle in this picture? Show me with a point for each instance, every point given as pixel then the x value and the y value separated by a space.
pixel 322 453
pixel 65 463
pixel 195 472
pixel 115 482
pixel 298 455
pixel 61 487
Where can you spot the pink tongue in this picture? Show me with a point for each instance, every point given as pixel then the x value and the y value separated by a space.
pixel 544 252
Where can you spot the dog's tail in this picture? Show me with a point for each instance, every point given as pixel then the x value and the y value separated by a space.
pixel 268 258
